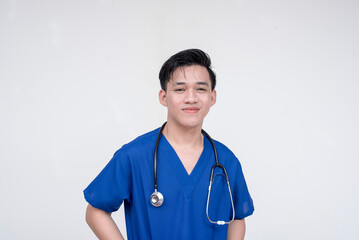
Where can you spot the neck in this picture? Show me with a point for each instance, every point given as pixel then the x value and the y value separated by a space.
pixel 178 135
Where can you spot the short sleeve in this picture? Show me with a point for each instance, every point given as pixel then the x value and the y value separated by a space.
pixel 243 203
pixel 112 186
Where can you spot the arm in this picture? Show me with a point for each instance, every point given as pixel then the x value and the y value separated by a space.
pixel 236 230
pixel 102 224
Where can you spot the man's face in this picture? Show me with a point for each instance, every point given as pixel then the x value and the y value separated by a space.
pixel 188 97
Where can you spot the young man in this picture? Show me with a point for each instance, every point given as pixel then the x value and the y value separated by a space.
pixel 179 167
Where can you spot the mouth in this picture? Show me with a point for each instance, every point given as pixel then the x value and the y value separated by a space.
pixel 190 110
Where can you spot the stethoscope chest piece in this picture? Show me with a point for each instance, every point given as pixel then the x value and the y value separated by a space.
pixel 156 199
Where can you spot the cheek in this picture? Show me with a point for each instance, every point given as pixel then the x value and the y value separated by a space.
pixel 171 104
pixel 174 100
pixel 208 101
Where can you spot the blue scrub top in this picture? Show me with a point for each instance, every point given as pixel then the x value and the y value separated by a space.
pixel 129 178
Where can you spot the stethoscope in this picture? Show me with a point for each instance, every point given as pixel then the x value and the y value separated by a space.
pixel 157 197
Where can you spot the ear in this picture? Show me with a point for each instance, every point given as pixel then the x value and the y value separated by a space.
pixel 213 97
pixel 162 97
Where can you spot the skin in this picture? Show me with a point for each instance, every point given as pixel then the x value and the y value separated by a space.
pixel 102 224
pixel 236 230
pixel 188 99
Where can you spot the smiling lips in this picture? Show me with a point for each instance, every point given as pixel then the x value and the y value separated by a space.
pixel 190 110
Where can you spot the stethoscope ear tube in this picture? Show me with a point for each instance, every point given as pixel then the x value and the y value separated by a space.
pixel 220 222
pixel 220 166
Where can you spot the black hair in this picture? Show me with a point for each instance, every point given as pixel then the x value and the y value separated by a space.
pixel 187 57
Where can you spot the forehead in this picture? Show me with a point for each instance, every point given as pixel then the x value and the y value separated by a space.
pixel 193 73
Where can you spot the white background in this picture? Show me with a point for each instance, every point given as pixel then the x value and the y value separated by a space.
pixel 78 79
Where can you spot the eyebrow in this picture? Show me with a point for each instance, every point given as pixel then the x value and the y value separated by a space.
pixel 199 83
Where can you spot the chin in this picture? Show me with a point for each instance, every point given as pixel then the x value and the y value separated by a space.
pixel 192 123
pixel 186 121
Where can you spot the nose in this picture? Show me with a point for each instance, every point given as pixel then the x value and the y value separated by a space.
pixel 191 96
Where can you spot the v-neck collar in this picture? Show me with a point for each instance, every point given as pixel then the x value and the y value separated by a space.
pixel 188 181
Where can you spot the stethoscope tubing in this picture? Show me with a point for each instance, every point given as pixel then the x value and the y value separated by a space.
pixel 157 197
pixel 155 156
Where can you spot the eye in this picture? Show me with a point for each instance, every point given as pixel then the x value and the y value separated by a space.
pixel 201 89
pixel 179 90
